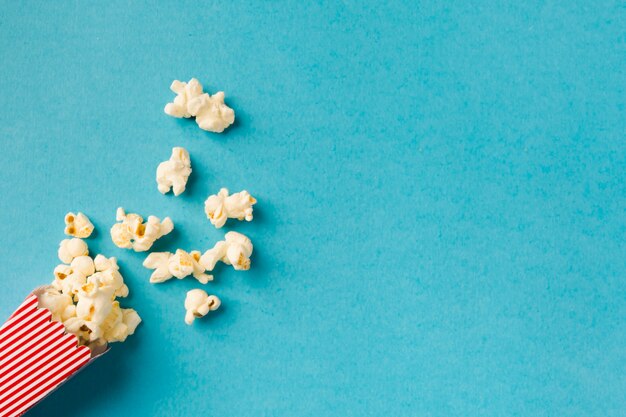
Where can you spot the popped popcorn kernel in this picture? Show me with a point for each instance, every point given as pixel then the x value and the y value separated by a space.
pixel 211 113
pixel 133 233
pixel 234 250
pixel 78 225
pixel 173 174
pixel 198 303
pixel 72 248
pixel 221 206
pixel 180 264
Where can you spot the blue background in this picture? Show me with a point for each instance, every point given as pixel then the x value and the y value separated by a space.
pixel 441 219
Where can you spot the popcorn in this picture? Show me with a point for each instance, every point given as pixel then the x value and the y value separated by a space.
pixel 78 225
pixel 198 303
pixel 180 264
pixel 174 173
pixel 234 250
pixel 210 111
pixel 60 305
pixel 184 93
pixel 120 323
pixel 133 233
pixel 84 265
pixel 82 295
pixel 220 207
pixel 71 248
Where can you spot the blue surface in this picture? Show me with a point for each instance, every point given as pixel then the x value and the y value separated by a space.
pixel 441 220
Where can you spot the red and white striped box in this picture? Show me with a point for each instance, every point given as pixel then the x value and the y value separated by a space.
pixel 36 357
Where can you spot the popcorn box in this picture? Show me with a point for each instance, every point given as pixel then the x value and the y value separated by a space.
pixel 36 357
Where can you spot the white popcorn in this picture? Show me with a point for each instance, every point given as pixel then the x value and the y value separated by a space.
pixel 234 250
pixel 78 225
pixel 108 273
pixel 181 264
pixel 198 303
pixel 60 305
pixel 71 284
pixel 84 265
pixel 82 295
pixel 95 302
pixel 173 174
pixel 184 93
pixel 133 233
pixel 220 207
pixel 120 323
pixel 71 248
pixel 210 111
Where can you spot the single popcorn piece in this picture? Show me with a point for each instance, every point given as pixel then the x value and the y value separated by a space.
pixel 108 273
pixel 95 302
pixel 198 303
pixel 210 111
pixel 181 264
pixel 133 233
pixel 220 207
pixel 78 225
pixel 234 250
pixel 72 248
pixel 173 174
pixel 120 323
pixel 184 93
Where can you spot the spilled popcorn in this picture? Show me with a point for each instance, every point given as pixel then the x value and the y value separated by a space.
pixel 220 207
pixel 133 233
pixel 234 250
pixel 210 111
pixel 198 303
pixel 173 174
pixel 181 264
pixel 83 296
pixel 78 225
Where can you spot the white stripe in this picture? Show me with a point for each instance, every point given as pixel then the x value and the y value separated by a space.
pixel 52 329
pixel 29 310
pixel 40 379
pixel 34 400
pixel 45 363
pixel 15 373
pixel 43 317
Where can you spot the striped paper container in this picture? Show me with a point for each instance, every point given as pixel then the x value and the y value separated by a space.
pixel 36 356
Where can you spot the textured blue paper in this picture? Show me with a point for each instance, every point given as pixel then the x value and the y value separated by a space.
pixel 441 220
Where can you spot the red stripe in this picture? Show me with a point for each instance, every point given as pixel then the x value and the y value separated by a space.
pixel 25 359
pixel 29 304
pixel 17 405
pixel 38 316
pixel 48 328
pixel 31 378
pixel 37 357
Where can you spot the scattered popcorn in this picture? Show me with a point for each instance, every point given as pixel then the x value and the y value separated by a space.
pixel 168 265
pixel 71 248
pixel 210 111
pixel 78 225
pixel 82 297
pixel 220 207
pixel 133 233
pixel 198 303
pixel 173 174
pixel 234 250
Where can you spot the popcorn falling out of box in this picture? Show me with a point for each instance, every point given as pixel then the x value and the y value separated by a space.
pixel 36 356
